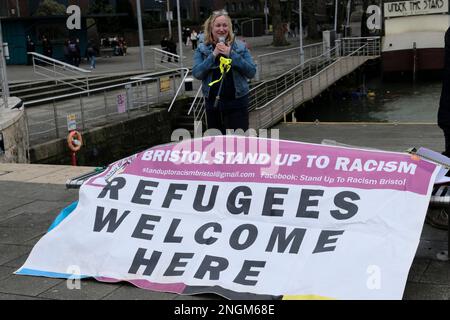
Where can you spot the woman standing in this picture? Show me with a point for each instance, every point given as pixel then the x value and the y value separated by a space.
pixel 231 109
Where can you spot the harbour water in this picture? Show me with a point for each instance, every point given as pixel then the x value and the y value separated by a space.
pixel 377 100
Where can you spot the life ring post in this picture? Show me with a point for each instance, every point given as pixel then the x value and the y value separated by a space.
pixel 74 142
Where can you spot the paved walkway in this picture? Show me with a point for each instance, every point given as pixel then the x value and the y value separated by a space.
pixel 131 62
pixel 32 195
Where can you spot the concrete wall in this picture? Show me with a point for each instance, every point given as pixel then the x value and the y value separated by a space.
pixel 12 136
pixel 111 142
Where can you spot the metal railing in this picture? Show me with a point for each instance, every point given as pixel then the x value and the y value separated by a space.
pixel 164 59
pixel 96 107
pixel 268 92
pixel 59 71
pixel 372 46
pixel 198 108
pixel 274 63
pixel 328 71
pixel 252 21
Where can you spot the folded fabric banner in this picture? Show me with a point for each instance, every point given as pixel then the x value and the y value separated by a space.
pixel 246 217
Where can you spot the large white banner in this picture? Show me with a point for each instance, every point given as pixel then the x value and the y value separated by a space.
pixel 284 220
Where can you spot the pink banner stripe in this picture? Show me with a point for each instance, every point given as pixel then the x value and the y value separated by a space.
pixel 285 162
pixel 144 284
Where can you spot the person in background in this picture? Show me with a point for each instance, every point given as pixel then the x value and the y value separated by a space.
pixel 444 102
pixel 439 217
pixel 31 47
pixel 231 111
pixel 66 50
pixel 123 46
pixel 201 36
pixel 77 53
pixel 91 53
pixel 47 47
pixel 194 39
pixel 165 47
pixel 73 52
pixel 172 46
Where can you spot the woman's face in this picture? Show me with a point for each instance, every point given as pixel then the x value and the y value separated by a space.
pixel 220 28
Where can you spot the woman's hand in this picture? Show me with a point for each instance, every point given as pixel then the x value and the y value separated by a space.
pixel 222 48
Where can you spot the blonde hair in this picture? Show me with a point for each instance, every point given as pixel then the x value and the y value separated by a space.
pixel 208 26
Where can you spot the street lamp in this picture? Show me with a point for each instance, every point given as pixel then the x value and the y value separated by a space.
pixel 266 12
pixel 300 31
pixel 179 36
pixel 169 18
pixel 335 14
pixel 3 75
pixel 169 15
pixel 141 33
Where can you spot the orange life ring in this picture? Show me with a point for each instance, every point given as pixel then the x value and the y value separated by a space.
pixel 74 140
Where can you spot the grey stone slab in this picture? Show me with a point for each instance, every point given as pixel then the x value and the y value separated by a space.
pixel 38 220
pixel 430 233
pixel 421 291
pixel 18 236
pixel 19 190
pixel 17 263
pixel 41 206
pixel 429 249
pixel 438 272
pixel 61 194
pixel 35 191
pixel 33 241
pixel 130 292
pixel 89 290
pixel 10 252
pixel 5 272
pixel 27 285
pixel 4 296
pixel 418 267
pixel 8 203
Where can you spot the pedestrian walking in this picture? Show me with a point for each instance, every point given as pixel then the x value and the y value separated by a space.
pixel 91 53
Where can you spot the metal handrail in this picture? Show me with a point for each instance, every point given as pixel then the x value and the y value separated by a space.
pixel 289 76
pixel 168 53
pixel 195 99
pixel 186 73
pixel 300 80
pixel 107 88
pixel 102 105
pixel 312 77
pixel 287 50
pixel 68 66
pixel 57 68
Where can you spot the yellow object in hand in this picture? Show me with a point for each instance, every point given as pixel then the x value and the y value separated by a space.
pixel 225 66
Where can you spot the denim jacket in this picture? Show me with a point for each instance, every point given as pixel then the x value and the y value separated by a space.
pixel 242 67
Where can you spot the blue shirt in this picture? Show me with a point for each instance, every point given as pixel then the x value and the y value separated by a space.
pixel 242 67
